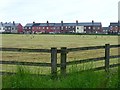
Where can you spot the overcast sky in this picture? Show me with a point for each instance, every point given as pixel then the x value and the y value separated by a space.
pixel 27 11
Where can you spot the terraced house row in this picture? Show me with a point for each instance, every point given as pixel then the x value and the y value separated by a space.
pixel 86 27
pixel 76 27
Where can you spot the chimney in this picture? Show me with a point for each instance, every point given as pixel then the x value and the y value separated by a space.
pixel 62 23
pixel 76 22
pixel 2 23
pixel 13 22
pixel 92 21
pixel 47 23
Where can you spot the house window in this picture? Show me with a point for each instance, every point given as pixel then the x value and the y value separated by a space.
pixel 77 27
pixel 57 27
pixel 89 27
pixel 25 27
pixel 93 28
pixel 29 27
pixel 47 27
pixel 84 27
pixel 43 27
pixel 98 27
pixel 61 28
pixel 39 27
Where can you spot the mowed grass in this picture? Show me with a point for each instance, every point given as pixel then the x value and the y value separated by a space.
pixel 48 41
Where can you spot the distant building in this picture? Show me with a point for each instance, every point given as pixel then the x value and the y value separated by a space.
pixel 11 27
pixel 105 30
pixel 86 27
pixel 114 28
pixel 2 28
pixel 28 27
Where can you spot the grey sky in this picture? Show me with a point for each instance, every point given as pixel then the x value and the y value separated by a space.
pixel 26 11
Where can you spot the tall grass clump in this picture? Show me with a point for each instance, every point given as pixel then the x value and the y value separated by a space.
pixel 73 79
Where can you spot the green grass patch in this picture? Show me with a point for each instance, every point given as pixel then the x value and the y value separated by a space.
pixel 86 79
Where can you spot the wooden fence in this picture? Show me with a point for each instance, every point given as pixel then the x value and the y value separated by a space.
pixel 63 60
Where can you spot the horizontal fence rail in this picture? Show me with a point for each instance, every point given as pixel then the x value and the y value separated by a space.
pixel 85 48
pixel 25 63
pixel 90 60
pixel 63 58
pixel 25 50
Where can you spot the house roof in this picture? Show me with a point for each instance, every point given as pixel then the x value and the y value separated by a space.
pixel 43 24
pixel 9 24
pixel 69 24
pixel 29 25
pixel 89 24
pixel 114 24
pixel 64 24
pixel 57 24
pixel 36 24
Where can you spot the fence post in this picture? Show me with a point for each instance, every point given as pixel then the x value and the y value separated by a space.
pixel 63 60
pixel 54 61
pixel 107 56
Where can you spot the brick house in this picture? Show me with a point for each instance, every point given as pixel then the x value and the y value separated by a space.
pixel 87 27
pixel 2 28
pixel 114 27
pixel 12 27
pixel 28 27
pixel 92 27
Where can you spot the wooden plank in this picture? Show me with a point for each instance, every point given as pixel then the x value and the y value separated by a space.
pixel 13 73
pixel 103 67
pixel 107 56
pixel 25 63
pixel 25 50
pixel 115 56
pixel 54 62
pixel 85 60
pixel 63 60
pixel 115 46
pixel 94 69
pixel 85 48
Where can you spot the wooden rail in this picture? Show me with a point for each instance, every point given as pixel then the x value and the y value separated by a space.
pixel 63 61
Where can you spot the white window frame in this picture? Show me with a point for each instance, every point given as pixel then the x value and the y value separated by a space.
pixel 43 27
pixel 62 28
pixel 89 27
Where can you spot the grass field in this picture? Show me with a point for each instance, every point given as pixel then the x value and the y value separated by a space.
pixel 48 41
